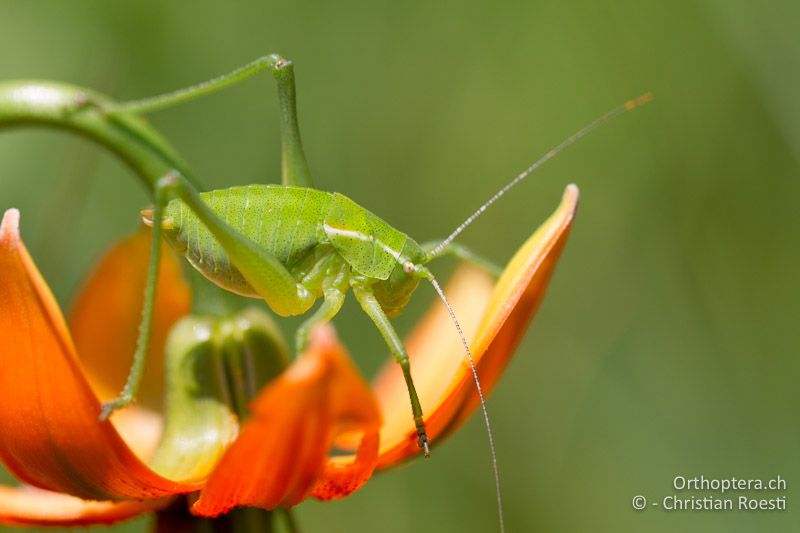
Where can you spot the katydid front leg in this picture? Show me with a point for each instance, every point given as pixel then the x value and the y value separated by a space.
pixel 128 394
pixel 371 306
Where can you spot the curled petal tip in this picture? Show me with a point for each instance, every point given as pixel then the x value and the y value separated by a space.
pixel 9 227
pixel 569 203
pixel 572 192
pixel 571 196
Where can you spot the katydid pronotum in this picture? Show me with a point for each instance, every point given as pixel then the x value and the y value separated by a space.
pixel 291 244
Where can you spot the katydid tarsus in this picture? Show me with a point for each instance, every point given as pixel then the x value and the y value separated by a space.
pixel 291 244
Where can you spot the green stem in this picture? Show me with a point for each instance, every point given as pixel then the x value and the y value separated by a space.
pixel 79 110
pixel 251 520
pixel 291 521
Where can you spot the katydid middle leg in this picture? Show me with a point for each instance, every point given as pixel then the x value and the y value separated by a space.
pixel 372 308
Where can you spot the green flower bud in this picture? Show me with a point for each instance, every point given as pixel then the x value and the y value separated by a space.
pixel 213 367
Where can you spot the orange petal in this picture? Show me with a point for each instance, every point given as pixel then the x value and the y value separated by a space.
pixel 50 434
pixel 280 457
pixel 21 506
pixel 495 319
pixel 113 296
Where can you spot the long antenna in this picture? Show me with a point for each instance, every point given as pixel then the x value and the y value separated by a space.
pixel 489 431
pixel 583 132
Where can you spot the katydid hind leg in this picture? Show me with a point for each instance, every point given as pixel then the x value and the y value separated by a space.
pixel 372 308
pixel 294 167
pixel 263 271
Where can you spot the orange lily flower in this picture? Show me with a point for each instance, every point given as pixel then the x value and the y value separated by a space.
pixel 86 471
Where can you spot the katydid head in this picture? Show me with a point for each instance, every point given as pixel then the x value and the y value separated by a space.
pixel 394 292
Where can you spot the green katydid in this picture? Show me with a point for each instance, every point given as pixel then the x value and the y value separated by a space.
pixel 291 244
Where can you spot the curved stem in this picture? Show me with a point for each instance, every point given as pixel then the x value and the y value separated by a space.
pixel 81 111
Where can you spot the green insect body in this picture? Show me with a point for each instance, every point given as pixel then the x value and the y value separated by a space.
pixel 287 244
pixel 314 234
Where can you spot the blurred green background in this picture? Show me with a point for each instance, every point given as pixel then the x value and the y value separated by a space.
pixel 667 344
